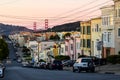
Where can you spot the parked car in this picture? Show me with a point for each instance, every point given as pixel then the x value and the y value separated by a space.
pixel 19 60
pixel 2 69
pixel 69 63
pixel 84 64
pixel 55 64
pixel 42 65
pixel 27 64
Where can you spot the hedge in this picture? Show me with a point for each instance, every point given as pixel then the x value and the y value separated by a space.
pixel 114 59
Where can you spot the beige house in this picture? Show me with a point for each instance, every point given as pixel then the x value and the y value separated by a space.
pixel 108 31
pixel 96 37
pixel 111 29
pixel 117 25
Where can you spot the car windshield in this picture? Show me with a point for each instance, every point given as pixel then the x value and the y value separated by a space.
pixel 86 60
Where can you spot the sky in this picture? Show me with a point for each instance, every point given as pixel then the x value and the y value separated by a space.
pixel 25 12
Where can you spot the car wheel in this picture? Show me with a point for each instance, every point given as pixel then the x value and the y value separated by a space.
pixel 2 76
pixel 79 70
pixel 87 70
pixel 73 69
pixel 50 67
pixel 93 70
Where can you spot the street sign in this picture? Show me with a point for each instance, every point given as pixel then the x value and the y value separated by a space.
pixel 99 45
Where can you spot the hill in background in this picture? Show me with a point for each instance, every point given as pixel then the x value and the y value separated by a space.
pixel 75 26
pixel 6 29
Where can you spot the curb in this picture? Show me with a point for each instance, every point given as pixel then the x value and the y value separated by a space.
pixel 107 72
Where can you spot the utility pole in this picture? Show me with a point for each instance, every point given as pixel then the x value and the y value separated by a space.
pixel 99 48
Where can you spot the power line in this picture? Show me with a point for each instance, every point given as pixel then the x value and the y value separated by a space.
pixel 42 18
pixel 92 10
pixel 85 9
pixel 71 11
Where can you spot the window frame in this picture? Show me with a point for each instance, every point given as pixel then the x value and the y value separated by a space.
pixel 118 32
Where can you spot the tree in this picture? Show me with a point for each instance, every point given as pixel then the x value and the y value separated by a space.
pixel 4 51
pixel 67 35
pixel 51 37
pixel 26 51
pixel 56 37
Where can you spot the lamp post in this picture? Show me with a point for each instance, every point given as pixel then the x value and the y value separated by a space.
pixel 39 41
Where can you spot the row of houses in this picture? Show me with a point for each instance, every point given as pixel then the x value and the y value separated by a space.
pixel 98 37
pixel 101 36
pixel 41 46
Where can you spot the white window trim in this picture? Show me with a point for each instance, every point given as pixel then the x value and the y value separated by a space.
pixel 104 20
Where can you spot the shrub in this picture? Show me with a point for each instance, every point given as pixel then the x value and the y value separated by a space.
pixel 62 57
pixel 114 59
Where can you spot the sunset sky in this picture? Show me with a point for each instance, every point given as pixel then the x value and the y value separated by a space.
pixel 25 12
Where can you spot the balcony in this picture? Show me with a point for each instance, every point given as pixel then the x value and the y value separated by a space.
pixel 109 27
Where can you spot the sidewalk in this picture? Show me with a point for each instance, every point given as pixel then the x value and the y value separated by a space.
pixel 105 69
pixel 109 69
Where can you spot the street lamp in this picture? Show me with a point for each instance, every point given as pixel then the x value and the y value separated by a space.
pixel 39 39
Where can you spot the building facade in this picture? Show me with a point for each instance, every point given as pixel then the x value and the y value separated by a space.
pixel 96 49
pixel 85 38
pixel 117 25
pixel 108 30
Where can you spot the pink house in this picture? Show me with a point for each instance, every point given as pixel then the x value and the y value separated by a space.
pixel 72 47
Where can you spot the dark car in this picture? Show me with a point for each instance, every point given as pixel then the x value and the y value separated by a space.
pixel 69 63
pixel 56 64
pixel 42 65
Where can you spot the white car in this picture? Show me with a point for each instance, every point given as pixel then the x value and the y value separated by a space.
pixel 2 68
pixel 84 64
pixel 1 73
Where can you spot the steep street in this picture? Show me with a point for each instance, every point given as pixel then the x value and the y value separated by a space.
pixel 14 71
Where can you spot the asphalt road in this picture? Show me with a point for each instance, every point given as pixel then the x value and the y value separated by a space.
pixel 19 73
pixel 14 71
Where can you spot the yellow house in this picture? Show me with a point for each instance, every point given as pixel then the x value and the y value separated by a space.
pixel 96 37
pixel 86 38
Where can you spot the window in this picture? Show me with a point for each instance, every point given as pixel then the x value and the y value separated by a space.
pixel 104 38
pixel 78 45
pixel 118 32
pixel 88 43
pixel 105 21
pixel 66 48
pixel 118 12
pixel 83 30
pixel 92 29
pixel 45 44
pixel 109 36
pixel 97 27
pixel 71 46
pixel 83 42
pixel 88 30
pixel 86 60
pixel 62 50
